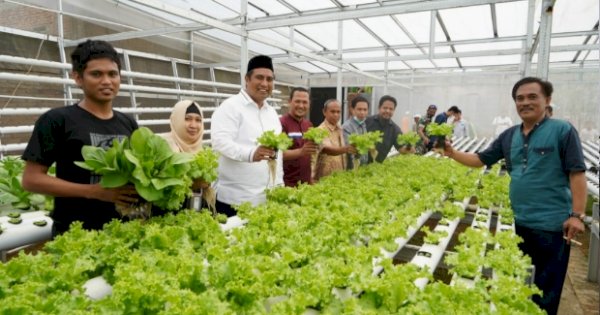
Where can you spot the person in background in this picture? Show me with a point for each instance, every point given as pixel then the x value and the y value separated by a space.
pixel 460 125
pixel 502 123
pixel 415 126
pixel 187 131
pixel 296 160
pixel 423 145
pixel 383 122
pixel 60 133
pixel 356 125
pixel 442 118
pixel 548 185
pixel 331 157
pixel 236 125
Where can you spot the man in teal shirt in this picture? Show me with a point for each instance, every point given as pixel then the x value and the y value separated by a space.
pixel 548 186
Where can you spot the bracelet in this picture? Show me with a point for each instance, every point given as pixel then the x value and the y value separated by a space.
pixel 580 216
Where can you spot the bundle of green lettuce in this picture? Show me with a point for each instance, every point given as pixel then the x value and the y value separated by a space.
pixel 316 135
pixel 276 142
pixel 204 168
pixel 365 143
pixel 160 176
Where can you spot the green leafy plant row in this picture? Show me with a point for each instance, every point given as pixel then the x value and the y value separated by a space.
pixel 295 253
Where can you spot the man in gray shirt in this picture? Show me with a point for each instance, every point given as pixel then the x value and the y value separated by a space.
pixel 359 108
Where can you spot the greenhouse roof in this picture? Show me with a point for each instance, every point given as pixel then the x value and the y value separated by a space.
pixel 378 38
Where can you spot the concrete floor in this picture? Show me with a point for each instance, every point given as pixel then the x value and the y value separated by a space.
pixel 579 295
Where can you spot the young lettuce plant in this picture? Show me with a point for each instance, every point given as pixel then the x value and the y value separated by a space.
pixel 441 131
pixel 409 140
pixel 11 190
pixel 276 142
pixel 204 167
pixel 365 143
pixel 160 176
pixel 316 135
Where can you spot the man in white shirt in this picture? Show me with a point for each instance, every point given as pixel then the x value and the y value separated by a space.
pixel 501 123
pixel 236 125
pixel 460 126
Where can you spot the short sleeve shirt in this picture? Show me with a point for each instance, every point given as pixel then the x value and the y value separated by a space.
pixel 539 165
pixel 297 170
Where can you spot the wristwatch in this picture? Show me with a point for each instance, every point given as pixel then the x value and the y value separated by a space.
pixel 580 216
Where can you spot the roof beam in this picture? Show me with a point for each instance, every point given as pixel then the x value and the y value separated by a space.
pixel 159 5
pixel 365 11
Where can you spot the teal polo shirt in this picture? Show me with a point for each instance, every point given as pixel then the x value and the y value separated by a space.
pixel 539 165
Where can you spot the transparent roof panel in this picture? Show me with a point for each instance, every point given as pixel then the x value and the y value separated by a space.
pixel 326 66
pixel 222 35
pixel 369 66
pixel 488 46
pixel 446 63
pixel 273 7
pixel 355 2
pixel 592 56
pixel 355 36
pixel 490 60
pixel 468 22
pixel 424 64
pixel 299 39
pixel 563 41
pixel 307 5
pixel 418 26
pixel 397 65
pixel 323 33
pixel 572 16
pixel 263 49
pixel 212 9
pixel 412 51
pixel 512 18
pixel 306 66
pixel 366 54
pixel 387 29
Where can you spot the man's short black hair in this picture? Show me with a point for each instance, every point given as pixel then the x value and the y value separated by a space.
pixel 386 98
pixel 357 100
pixel 546 86
pixel 453 109
pixel 90 50
pixel 297 89
pixel 458 111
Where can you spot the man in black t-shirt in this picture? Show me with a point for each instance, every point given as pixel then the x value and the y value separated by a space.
pixel 60 133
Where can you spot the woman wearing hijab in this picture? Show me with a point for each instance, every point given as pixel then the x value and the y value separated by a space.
pixel 186 135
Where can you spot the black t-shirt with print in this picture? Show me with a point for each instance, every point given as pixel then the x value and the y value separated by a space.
pixel 58 136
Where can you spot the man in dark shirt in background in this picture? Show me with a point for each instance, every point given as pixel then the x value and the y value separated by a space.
pixel 296 160
pixel 383 122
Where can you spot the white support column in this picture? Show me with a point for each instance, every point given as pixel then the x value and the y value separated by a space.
pixel 528 56
pixel 61 50
pixel 545 36
pixel 432 33
pixel 176 75
pixel 338 90
pixel 132 97
pixel 192 59
pixel 385 72
pixel 244 42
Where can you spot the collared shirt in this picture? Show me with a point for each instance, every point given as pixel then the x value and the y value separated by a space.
pixel 325 164
pixel 297 170
pixel 539 165
pixel 236 124
pixel 352 126
pixel 390 135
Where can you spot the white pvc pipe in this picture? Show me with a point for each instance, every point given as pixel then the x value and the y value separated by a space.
pixel 15 129
pixel 401 241
pixel 24 233
pixel 429 255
